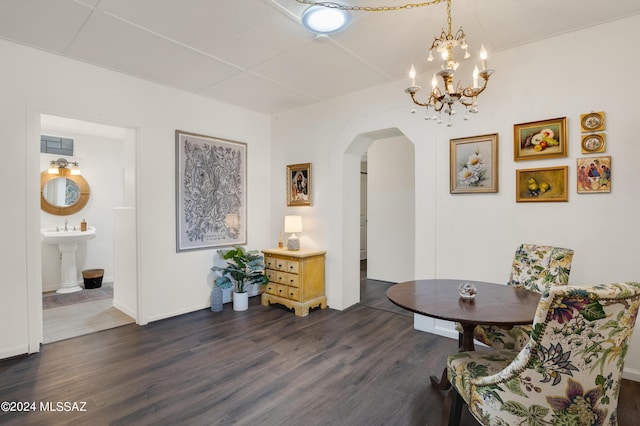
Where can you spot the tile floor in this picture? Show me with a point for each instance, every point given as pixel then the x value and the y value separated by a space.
pixel 83 318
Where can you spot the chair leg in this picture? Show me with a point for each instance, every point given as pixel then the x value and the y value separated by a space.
pixel 452 409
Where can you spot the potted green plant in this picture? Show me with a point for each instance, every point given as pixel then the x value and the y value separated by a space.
pixel 243 268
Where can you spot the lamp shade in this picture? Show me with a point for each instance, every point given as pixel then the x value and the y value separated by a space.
pixel 292 224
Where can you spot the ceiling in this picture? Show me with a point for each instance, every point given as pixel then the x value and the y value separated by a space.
pixel 255 54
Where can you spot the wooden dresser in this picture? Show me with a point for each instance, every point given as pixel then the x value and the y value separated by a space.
pixel 296 279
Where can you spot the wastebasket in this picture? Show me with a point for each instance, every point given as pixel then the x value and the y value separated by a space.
pixel 92 278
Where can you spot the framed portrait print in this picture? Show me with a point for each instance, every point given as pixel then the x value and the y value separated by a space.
pixel 540 139
pixel 211 192
pixel 542 184
pixel 473 164
pixel 594 174
pixel 299 184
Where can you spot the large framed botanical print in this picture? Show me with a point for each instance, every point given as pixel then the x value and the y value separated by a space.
pixel 211 192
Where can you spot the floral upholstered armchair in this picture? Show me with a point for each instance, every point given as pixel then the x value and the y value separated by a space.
pixel 568 373
pixel 535 268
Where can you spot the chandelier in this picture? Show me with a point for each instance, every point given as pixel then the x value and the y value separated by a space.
pixel 440 101
pixel 443 101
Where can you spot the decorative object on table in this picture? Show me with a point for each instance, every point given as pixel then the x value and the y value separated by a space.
pixel 473 164
pixel 293 224
pixel 211 192
pixel 280 241
pixel 593 143
pixel 594 174
pixel 535 268
pixel 444 101
pixel 467 291
pixel 540 139
pixel 243 268
pixel 592 122
pixel 542 184
pixel 296 279
pixel 564 375
pixel 216 299
pixel 299 184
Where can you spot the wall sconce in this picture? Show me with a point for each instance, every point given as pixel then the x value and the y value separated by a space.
pixel 61 163
pixel 293 224
pixel 232 223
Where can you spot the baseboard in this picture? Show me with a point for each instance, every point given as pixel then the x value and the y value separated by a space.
pixel 153 318
pixel 125 309
pixel 631 374
pixel 15 351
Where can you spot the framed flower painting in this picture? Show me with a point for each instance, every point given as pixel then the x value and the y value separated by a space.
pixel 474 164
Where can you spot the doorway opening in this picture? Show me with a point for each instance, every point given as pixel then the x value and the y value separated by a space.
pixel 387 218
pixel 106 158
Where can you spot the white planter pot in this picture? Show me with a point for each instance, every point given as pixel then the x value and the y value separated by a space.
pixel 240 301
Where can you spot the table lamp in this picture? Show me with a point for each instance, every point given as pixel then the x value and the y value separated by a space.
pixel 293 224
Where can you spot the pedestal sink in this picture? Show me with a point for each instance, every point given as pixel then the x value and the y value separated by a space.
pixel 67 242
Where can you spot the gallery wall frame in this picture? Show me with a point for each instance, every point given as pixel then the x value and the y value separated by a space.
pixel 593 143
pixel 211 192
pixel 542 184
pixel 473 164
pixel 540 139
pixel 592 122
pixel 299 184
pixel 593 174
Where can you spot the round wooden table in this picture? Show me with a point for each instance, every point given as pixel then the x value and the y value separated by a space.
pixel 494 304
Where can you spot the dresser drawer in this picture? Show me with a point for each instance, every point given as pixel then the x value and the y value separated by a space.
pixel 293 293
pixel 287 279
pixel 270 262
pixel 293 267
pixel 271 275
pixel 271 288
pixel 281 290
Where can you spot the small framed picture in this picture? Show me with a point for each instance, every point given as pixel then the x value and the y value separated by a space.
pixel 474 164
pixel 592 122
pixel 592 143
pixel 540 139
pixel 299 184
pixel 542 184
pixel 594 174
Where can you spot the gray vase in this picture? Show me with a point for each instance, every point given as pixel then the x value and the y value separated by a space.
pixel 216 299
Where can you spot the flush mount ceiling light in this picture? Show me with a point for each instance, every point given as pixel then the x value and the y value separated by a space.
pixel 321 19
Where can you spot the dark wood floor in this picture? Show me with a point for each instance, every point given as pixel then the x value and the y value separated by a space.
pixel 265 366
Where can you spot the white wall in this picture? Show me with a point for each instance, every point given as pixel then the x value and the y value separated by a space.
pixel 391 210
pixel 475 235
pixel 169 283
pixel 101 161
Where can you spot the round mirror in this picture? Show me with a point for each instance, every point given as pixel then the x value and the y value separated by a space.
pixel 63 194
